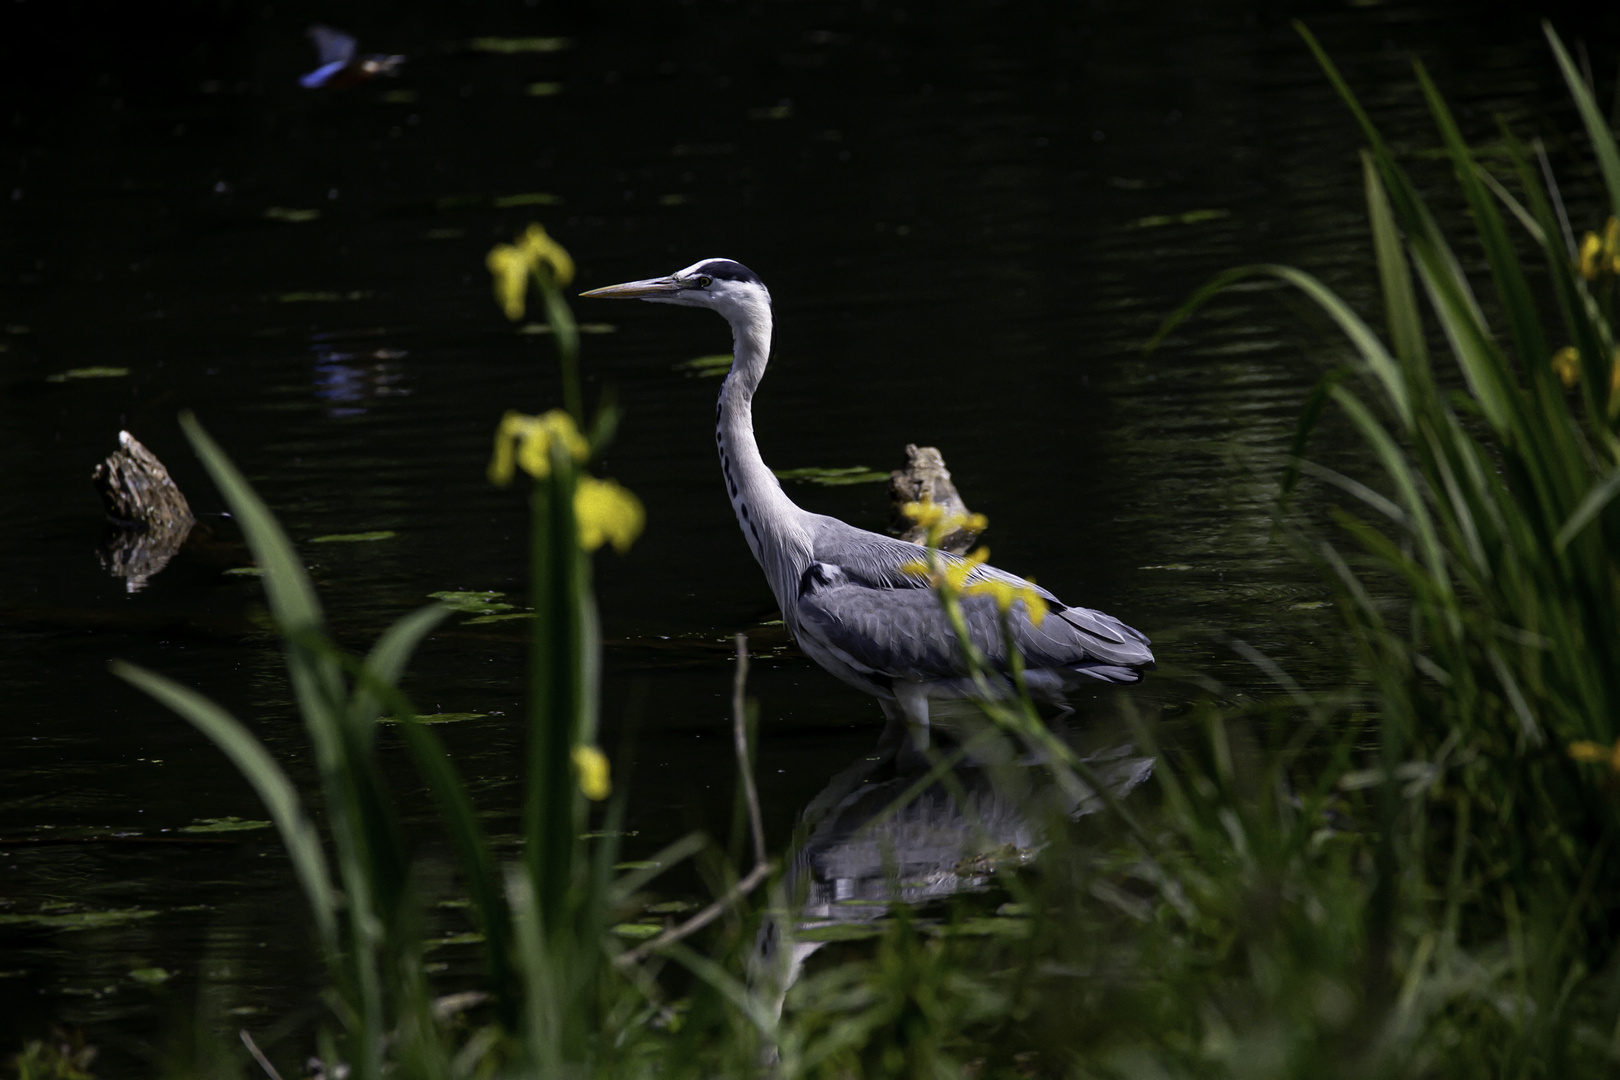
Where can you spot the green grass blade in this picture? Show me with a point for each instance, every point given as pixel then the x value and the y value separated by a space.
pixel 671 855
pixel 1581 319
pixel 478 869
pixel 387 659
pixel 1512 288
pixel 1400 300
pixel 1308 417
pixel 1515 207
pixel 375 680
pixel 1597 126
pixel 729 987
pixel 1400 472
pixel 1360 334
pixel 1596 499
pixel 277 793
pixel 291 595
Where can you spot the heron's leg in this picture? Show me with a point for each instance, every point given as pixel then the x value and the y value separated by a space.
pixel 912 698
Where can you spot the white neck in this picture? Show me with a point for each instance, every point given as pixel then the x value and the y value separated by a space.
pixel 773 524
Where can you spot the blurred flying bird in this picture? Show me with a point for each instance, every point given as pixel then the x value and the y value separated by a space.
pixel 339 63
pixel 853 599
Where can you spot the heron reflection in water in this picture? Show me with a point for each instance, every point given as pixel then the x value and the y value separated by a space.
pixel 845 593
pixel 874 840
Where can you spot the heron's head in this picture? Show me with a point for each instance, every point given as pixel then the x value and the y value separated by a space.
pixel 719 284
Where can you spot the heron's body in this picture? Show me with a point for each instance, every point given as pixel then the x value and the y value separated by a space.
pixel 842 591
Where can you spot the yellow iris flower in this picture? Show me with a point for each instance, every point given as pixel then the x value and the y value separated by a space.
pixel 510 269
pixel 1006 594
pixel 591 766
pixel 607 513
pixel 1596 752
pixel 525 441
pixel 538 247
pixel 1566 362
pixel 1600 255
pixel 512 265
pixel 948 572
pixel 940 522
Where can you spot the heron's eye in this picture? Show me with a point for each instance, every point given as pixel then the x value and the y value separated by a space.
pixel 704 283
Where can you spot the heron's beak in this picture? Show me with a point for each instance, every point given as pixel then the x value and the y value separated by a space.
pixel 650 289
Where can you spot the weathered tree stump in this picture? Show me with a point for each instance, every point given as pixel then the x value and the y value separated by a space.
pixel 925 478
pixel 150 517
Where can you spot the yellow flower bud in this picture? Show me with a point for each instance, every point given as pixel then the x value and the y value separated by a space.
pixel 1567 363
pixel 607 513
pixel 591 767
pixel 1591 253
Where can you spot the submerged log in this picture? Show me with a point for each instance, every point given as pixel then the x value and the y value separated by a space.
pixel 925 478
pixel 149 515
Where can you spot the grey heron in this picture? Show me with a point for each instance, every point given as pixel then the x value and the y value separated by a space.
pixel 843 591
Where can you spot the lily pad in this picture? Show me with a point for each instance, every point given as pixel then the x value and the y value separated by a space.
pixel 79 920
pixel 499 618
pixel 583 328
pixel 532 198
pixel 672 907
pixel 1191 217
pixel 224 824
pixel 471 937
pixel 638 931
pixel 88 373
pixel 355 538
pixel 458 600
pixel 543 89
pixel 853 474
pixel 1167 566
pixel 706 367
pixel 397 97
pixel 321 297
pixel 509 45
pixel 245 571
pixel 291 215
pixel 151 976
pixel 988 926
pixel 436 718
pixel 842 932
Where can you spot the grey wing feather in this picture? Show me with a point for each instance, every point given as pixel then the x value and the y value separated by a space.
pixel 872 559
pixel 903 633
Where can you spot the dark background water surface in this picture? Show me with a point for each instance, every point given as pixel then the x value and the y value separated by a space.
pixel 959 210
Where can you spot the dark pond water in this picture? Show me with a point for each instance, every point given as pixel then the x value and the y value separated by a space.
pixel 970 221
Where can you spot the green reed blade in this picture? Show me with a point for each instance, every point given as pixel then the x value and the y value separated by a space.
pixel 1599 497
pixel 1597 126
pixel 277 793
pixel 287 586
pixel 1400 300
pixel 1512 288
pixel 387 659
